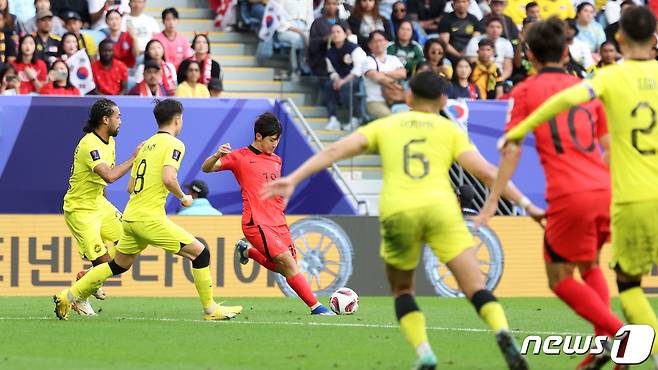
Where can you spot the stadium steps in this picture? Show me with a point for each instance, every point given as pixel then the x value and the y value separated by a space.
pixel 245 78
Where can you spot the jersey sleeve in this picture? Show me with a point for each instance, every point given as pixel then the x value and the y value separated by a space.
pixel 92 155
pixel 174 154
pixel 230 162
pixel 370 132
pixel 601 120
pixel 461 143
pixel 517 109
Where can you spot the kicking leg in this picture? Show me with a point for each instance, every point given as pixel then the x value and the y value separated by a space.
pixel 466 270
pixel 200 257
pixel 245 251
pixel 411 319
pixel 287 266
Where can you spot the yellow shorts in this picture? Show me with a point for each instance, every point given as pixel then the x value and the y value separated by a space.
pixel 635 237
pixel 162 233
pixel 93 229
pixel 405 233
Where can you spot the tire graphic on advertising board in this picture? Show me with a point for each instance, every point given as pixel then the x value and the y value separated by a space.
pixel 324 255
pixel 489 255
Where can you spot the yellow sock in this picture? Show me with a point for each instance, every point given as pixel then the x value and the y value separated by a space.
pixel 92 280
pixel 493 314
pixel 638 310
pixel 203 283
pixel 112 251
pixel 413 328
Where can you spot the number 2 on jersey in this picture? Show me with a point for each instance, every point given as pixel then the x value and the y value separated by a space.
pixel 139 179
pixel 636 132
pixel 414 155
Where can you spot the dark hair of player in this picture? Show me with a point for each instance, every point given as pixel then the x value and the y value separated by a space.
pixel 638 24
pixel 267 125
pixel 547 40
pixel 165 110
pixel 486 42
pixel 530 5
pixel 428 85
pixel 101 108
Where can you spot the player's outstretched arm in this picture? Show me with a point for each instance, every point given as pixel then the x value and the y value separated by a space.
pixel 170 181
pixel 112 174
pixel 473 162
pixel 558 103
pixel 214 163
pixel 347 147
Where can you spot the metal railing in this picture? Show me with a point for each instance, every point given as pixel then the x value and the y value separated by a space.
pixel 335 169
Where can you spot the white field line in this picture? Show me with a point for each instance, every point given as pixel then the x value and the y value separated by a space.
pixel 317 324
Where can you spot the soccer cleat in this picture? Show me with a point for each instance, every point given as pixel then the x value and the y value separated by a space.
pixel 322 311
pixel 241 249
pixel 62 304
pixel 596 362
pixel 513 357
pixel 223 313
pixel 425 362
pixel 83 307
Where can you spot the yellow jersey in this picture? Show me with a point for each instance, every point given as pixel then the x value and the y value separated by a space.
pixel 417 150
pixel 147 201
pixel 563 9
pixel 629 92
pixel 85 186
pixel 515 9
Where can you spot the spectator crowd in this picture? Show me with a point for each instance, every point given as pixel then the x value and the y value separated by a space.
pixel 101 47
pixel 367 48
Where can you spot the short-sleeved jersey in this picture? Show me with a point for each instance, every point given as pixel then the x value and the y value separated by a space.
pixel 417 150
pixel 85 186
pixel 147 201
pixel 567 145
pixel 629 92
pixel 253 169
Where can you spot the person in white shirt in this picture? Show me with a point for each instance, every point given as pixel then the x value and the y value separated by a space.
pixel 381 71
pixel 294 30
pixel 504 50
pixel 579 50
pixel 145 26
pixel 98 10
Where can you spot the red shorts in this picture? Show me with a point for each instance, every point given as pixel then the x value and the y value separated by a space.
pixel 577 227
pixel 270 241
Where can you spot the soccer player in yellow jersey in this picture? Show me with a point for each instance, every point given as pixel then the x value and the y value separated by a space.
pixel 153 177
pixel 629 92
pixel 92 219
pixel 418 205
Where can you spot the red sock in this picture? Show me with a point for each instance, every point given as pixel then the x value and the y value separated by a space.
pixel 594 279
pixel 587 303
pixel 299 284
pixel 255 255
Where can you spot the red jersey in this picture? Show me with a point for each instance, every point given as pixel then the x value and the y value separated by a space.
pixel 108 81
pixel 27 86
pixel 567 144
pixel 123 49
pixel 253 169
pixel 50 89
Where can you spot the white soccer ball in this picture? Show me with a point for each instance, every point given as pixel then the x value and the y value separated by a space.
pixel 344 301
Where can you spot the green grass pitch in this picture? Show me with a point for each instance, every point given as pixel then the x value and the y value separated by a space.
pixel 271 333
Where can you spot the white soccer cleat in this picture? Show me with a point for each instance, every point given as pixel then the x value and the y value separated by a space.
pixel 83 307
pixel 99 294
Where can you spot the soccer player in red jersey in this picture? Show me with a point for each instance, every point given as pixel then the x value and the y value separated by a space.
pixel 577 182
pixel 263 221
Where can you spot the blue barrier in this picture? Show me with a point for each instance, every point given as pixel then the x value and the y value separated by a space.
pixel 39 134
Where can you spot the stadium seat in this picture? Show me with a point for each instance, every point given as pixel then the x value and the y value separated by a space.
pixel 97 35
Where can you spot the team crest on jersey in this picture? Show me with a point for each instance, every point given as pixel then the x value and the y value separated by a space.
pixel 95 155
pixel 176 155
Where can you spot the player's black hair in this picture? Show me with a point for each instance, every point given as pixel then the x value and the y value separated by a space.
pixel 428 85
pixel 486 42
pixel 547 40
pixel 638 24
pixel 267 125
pixel 530 5
pixel 101 108
pixel 171 11
pixel 112 11
pixel 165 110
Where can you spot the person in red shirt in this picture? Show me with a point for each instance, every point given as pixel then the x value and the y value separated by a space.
pixel 577 182
pixel 125 44
pixel 60 82
pixel 110 75
pixel 31 71
pixel 263 221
